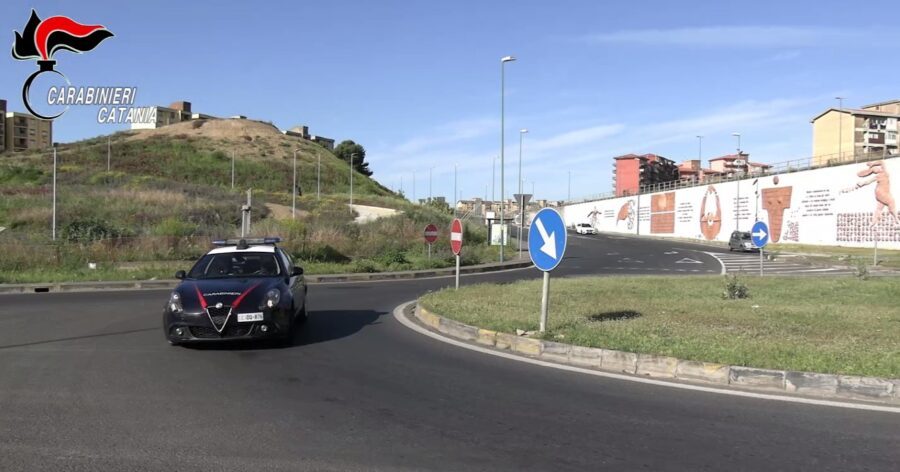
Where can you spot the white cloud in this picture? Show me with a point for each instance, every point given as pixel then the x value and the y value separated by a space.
pixel 729 36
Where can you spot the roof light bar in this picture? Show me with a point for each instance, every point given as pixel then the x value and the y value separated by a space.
pixel 246 242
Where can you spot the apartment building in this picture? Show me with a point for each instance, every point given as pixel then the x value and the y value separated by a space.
pixel 2 125
pixel 737 165
pixel 632 171
pixel 23 132
pixel 302 131
pixel 174 113
pixel 840 134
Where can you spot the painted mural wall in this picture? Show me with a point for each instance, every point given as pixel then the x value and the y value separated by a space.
pixel 849 205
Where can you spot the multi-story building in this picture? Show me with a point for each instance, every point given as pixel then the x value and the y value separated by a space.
pixel 2 125
pixel 24 132
pixel 633 172
pixel 174 113
pixel 841 134
pixel 693 171
pixel 737 165
pixel 302 131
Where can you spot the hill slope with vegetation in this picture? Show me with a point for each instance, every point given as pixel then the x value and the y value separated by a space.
pixel 168 193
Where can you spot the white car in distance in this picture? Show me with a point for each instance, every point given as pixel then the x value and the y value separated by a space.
pixel 584 228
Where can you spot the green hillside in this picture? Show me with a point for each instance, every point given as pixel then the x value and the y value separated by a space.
pixel 168 193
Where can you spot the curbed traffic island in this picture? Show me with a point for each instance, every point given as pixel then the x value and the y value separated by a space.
pixel 562 345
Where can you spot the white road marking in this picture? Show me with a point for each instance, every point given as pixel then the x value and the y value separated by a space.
pixel 399 316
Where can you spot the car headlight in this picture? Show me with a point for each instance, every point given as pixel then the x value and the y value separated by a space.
pixel 273 297
pixel 175 303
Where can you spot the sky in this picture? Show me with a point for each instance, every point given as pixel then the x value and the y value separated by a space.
pixel 418 83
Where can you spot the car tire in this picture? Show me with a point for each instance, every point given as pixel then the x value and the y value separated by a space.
pixel 303 315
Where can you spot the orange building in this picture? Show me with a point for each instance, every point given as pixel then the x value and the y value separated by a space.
pixel 634 171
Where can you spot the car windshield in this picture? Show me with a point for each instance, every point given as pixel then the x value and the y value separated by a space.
pixel 243 264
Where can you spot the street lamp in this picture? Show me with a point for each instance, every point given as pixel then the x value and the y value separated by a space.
pixel 352 155
pixel 503 62
pixel 840 127
pixel 318 176
pixel 522 133
pixel 455 195
pixel 737 202
pixel 294 192
pixel 232 169
pixel 54 193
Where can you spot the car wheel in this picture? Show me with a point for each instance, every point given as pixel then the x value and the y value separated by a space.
pixel 303 316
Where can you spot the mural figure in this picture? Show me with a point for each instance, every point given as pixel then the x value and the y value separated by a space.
pixel 710 221
pixel 592 216
pixel 775 201
pixel 626 213
pixel 662 213
pixel 883 197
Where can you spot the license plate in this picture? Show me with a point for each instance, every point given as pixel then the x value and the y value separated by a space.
pixel 249 317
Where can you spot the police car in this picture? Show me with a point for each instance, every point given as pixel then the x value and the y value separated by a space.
pixel 243 289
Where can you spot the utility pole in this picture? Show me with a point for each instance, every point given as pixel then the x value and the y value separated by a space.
pixel 503 62
pixel 352 155
pixel 54 193
pixel 294 189
pixel 840 128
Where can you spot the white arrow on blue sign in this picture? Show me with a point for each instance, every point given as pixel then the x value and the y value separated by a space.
pixel 547 239
pixel 760 234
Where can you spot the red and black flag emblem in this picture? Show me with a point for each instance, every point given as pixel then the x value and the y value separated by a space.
pixel 42 38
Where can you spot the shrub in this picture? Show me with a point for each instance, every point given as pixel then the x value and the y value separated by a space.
pixel 174 227
pixel 392 256
pixel 735 289
pixel 324 253
pixel 364 265
pixel 90 229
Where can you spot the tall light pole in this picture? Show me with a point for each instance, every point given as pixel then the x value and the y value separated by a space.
pixel 737 202
pixel 429 184
pixel 840 127
pixel 108 153
pixel 503 62
pixel 352 155
pixel 232 169
pixel 494 178
pixel 570 186
pixel 699 154
pixel 521 203
pixel 294 191
pixel 414 186
pixel 455 195
pixel 318 176
pixel 54 193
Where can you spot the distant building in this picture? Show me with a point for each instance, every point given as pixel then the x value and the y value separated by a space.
pixel 177 112
pixel 839 134
pixel 634 171
pixel 736 165
pixel 693 171
pixel 302 131
pixel 23 132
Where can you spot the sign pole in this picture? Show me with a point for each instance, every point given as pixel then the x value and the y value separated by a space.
pixel 457 272
pixel 429 251
pixel 760 262
pixel 545 301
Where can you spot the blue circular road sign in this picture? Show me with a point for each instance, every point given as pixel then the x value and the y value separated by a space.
pixel 547 239
pixel 760 234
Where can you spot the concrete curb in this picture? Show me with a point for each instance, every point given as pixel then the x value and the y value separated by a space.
pixel 330 278
pixel 843 387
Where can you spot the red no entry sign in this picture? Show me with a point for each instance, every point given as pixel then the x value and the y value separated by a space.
pixel 431 234
pixel 456 236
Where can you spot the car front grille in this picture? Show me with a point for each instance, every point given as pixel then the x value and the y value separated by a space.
pixel 219 315
pixel 232 331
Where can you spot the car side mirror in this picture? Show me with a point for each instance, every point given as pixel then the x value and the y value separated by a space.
pixel 180 275
pixel 297 271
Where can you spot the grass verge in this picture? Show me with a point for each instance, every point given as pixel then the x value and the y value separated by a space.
pixel 829 325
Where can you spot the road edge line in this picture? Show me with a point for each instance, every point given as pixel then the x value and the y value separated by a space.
pixel 434 321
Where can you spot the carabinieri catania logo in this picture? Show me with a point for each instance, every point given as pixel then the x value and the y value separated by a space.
pixel 41 40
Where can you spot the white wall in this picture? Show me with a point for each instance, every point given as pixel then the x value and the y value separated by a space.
pixel 822 206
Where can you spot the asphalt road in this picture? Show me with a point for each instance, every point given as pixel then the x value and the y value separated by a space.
pixel 87 382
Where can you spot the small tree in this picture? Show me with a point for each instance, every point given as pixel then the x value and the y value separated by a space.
pixel 349 148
